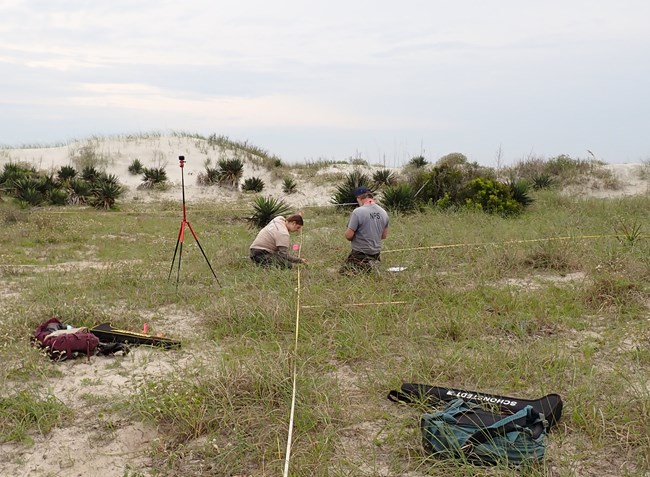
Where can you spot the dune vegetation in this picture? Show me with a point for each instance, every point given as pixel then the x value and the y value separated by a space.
pixel 552 299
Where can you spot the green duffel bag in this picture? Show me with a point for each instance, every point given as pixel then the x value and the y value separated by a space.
pixel 469 431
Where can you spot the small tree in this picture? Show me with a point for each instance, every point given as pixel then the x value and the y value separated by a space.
pixel 454 159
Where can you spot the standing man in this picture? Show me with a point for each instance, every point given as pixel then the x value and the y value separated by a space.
pixel 367 227
pixel 271 246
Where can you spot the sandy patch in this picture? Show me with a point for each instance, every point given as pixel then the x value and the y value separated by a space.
pixel 94 443
pixel 632 179
pixel 541 280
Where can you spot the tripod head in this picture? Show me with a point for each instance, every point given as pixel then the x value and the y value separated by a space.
pixel 181 159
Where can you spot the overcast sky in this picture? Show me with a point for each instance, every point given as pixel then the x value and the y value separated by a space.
pixel 384 80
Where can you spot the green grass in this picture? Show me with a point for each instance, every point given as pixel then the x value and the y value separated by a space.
pixel 26 412
pixel 506 306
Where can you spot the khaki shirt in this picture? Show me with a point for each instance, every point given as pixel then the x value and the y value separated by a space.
pixel 274 237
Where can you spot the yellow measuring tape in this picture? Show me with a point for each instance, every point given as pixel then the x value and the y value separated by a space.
pixel 507 242
pixel 295 369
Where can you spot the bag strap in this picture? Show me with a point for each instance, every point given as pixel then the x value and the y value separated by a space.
pixel 397 396
pixel 414 393
pixel 452 410
pixel 88 350
pixel 498 428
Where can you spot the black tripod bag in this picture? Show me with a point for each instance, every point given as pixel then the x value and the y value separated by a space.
pixel 550 405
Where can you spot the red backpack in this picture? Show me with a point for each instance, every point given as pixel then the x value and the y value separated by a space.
pixel 63 343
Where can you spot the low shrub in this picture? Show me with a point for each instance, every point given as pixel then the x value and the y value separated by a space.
pixel 490 196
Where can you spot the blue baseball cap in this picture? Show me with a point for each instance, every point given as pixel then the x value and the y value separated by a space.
pixel 361 190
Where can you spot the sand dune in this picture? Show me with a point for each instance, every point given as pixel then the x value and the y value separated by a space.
pixel 115 154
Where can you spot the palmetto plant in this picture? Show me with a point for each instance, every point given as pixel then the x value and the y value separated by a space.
pixel 519 189
pixel 66 174
pixel 33 189
pixel 47 183
pixel 418 161
pixel 384 177
pixel 153 176
pixel 13 171
pixel 542 181
pixel 106 191
pixel 57 196
pixel 210 177
pixel 289 186
pixel 10 171
pixel 30 196
pixel 79 192
pixel 266 209
pixel 89 173
pixel 230 172
pixel 29 190
pixel 110 178
pixel 253 184
pixel 344 194
pixel 136 167
pixel 399 198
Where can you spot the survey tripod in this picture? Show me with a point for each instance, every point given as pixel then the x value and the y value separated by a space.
pixel 181 235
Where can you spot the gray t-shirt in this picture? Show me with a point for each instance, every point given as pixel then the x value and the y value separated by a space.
pixel 368 222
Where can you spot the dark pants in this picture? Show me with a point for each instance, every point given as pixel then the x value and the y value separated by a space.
pixel 359 262
pixel 265 258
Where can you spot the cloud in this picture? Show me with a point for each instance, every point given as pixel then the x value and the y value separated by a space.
pixel 256 111
pixel 452 73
